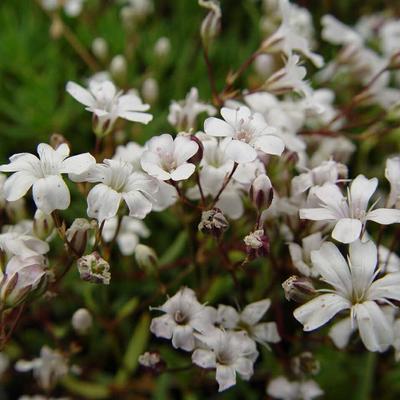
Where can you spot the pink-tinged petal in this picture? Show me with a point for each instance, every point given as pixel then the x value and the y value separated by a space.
pixel 184 171
pixel 384 216
pixel 139 205
pixel 204 358
pixel 133 116
pixel 103 202
pixel 253 312
pixel 269 144
pixel 17 185
pixel 320 310
pixel 225 376
pixel 375 330
pixel 361 190
pixel 317 214
pixel 347 230
pixel 80 94
pixel 332 266
pixel 340 332
pixel 182 338
pixel 78 164
pixel 387 287
pixel 163 326
pixel 184 148
pixel 51 193
pixel 217 127
pixel 240 152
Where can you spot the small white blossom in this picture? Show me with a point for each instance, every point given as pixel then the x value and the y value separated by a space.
pixel 354 288
pixel 349 214
pixel 282 388
pixel 247 132
pixel 44 175
pixel 184 316
pixel 230 353
pixel 71 7
pixel 82 321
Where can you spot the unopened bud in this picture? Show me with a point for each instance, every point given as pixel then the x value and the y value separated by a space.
pixel 298 289
pixel 100 48
pixel 77 235
pixel 257 244
pixel 211 25
pixel 82 321
pixel 56 28
pixel 146 258
pixel 152 361
pixel 93 268
pixel 198 156
pixel 162 47
pixel 305 364
pixel 43 225
pixel 119 68
pixel 57 140
pixel 150 90
pixel 213 222
pixel 261 193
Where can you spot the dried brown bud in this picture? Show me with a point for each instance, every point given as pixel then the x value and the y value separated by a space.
pixel 199 154
pixel 213 222
pixel 257 244
pixel 93 268
pixel 298 289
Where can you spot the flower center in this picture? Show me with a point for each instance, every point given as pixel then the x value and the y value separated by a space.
pixel 180 317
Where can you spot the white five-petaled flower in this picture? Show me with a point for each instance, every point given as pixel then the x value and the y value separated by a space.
pixel 248 320
pixel 354 288
pixel 119 182
pixel 282 388
pixel 229 353
pixel 248 133
pixel 44 173
pixel 351 213
pixel 184 316
pixel 108 104
pixel 167 158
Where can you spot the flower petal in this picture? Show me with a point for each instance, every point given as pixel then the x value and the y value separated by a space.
pixel 225 376
pixel 103 202
pixel 320 310
pixel 253 312
pixel 266 332
pixel 78 164
pixel 17 185
pixel 361 190
pixel 387 287
pixel 217 127
pixel 51 193
pixel 182 337
pixel 133 116
pixel 184 171
pixel 240 152
pixel 317 214
pixel 347 230
pixel 269 144
pixel 384 216
pixel 204 358
pixel 80 94
pixel 163 326
pixel 139 205
pixel 340 333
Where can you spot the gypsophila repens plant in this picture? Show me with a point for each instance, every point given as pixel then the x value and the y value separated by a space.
pixel 211 208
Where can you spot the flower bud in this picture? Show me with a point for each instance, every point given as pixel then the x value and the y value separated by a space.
pixel 213 222
pixel 146 258
pixel 162 47
pixel 261 193
pixel 305 364
pixel 298 289
pixel 93 268
pixel 100 48
pixel 56 140
pixel 211 25
pixel 119 68
pixel 43 225
pixel 22 277
pixel 198 156
pixel 82 321
pixel 257 244
pixel 77 235
pixel 150 90
pixel 152 361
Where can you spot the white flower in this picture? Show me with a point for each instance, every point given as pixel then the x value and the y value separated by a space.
pixel 229 353
pixel 328 171
pixel 183 316
pixel 119 182
pixel 129 232
pixel 390 36
pixel 301 255
pixel 103 100
pixel 350 214
pixel 282 388
pixel 335 32
pixel 48 369
pixel 392 174
pixel 248 320
pixel 71 7
pixel 44 173
pixel 182 114
pixel 247 131
pixel 354 288
pixel 167 158
pixel 22 244
pixel 82 321
pixel 288 39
